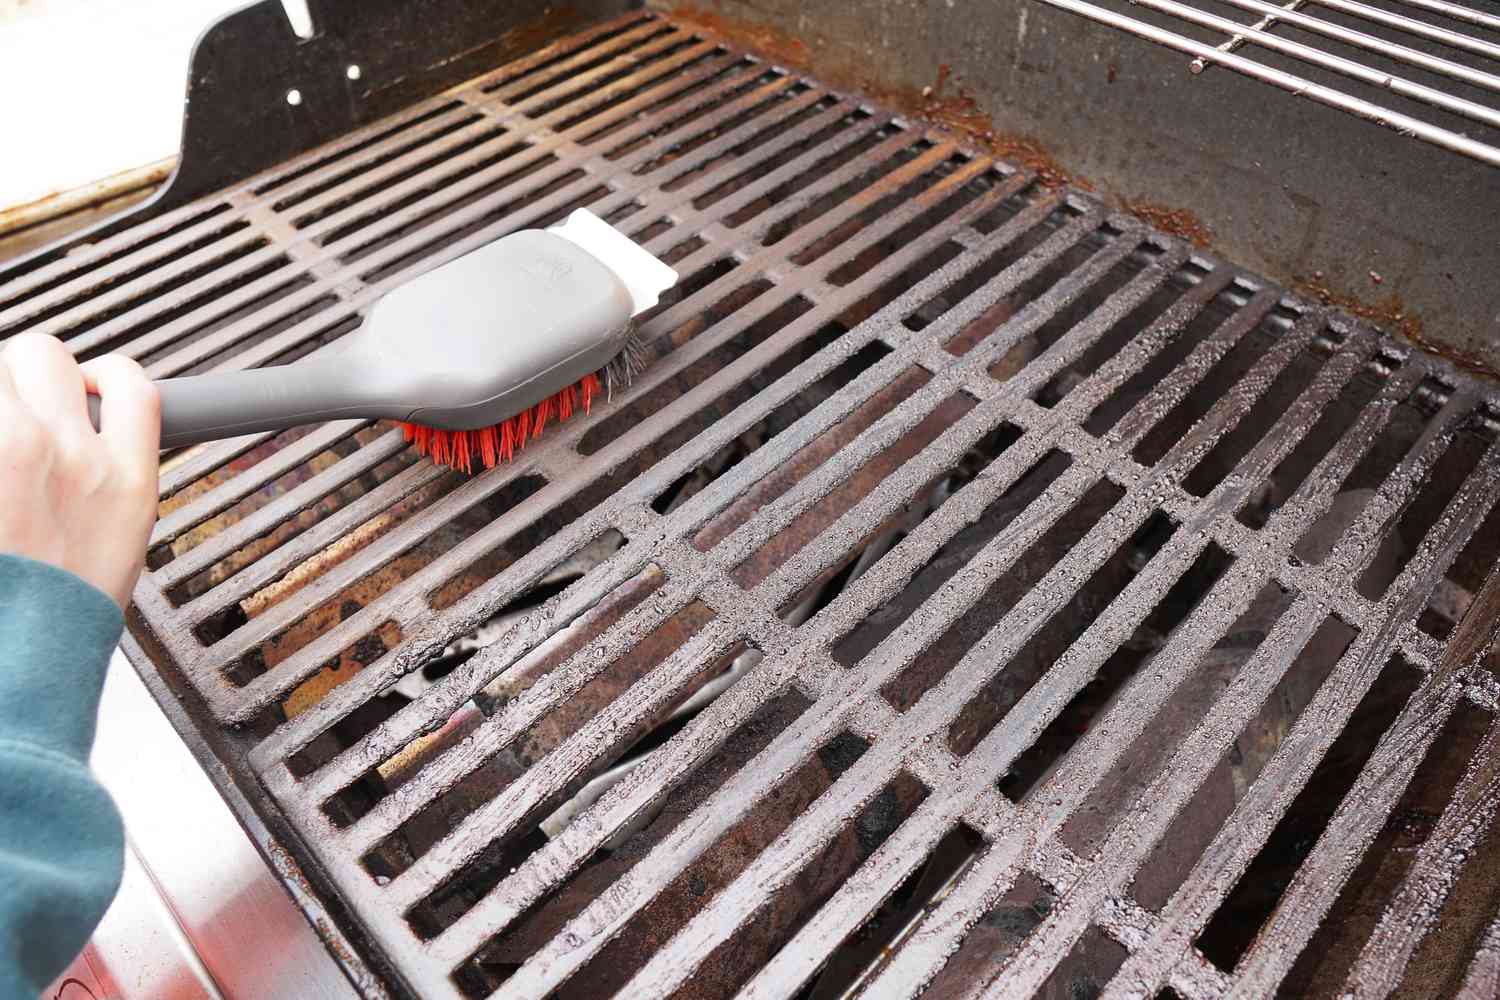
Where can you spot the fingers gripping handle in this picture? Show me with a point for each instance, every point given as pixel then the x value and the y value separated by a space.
pixel 202 408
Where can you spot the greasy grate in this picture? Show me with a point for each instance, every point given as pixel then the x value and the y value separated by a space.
pixel 980 592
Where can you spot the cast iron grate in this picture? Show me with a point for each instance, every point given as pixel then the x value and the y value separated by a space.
pixel 980 593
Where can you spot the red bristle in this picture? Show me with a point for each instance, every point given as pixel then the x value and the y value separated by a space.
pixel 590 390
pixel 461 451
pixel 507 440
pixel 490 446
pixel 522 421
pixel 539 414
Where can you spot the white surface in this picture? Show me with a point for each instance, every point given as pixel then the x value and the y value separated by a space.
pixel 199 915
pixel 639 271
pixel 89 88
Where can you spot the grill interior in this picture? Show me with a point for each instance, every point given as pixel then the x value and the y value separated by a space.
pixel 1425 69
pixel 980 592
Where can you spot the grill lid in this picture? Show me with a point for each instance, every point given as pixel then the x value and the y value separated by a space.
pixel 977 592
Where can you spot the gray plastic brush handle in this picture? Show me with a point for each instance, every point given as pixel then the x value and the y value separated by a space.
pixel 201 408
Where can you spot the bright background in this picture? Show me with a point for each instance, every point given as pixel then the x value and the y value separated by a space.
pixel 89 88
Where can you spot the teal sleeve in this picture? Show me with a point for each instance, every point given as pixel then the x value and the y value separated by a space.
pixel 61 841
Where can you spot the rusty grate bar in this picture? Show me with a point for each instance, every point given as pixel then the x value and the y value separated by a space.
pixel 968 552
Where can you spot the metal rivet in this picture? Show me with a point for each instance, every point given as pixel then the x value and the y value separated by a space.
pixel 353 72
pixel 294 97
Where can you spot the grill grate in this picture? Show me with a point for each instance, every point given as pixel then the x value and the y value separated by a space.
pixel 1426 69
pixel 956 521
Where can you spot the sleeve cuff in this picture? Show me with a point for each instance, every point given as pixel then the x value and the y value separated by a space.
pixel 56 637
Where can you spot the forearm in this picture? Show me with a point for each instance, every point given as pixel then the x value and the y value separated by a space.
pixel 61 841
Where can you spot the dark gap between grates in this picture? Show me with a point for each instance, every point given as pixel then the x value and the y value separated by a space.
pixel 1119 335
pixel 850 272
pixel 352 150
pixel 664 64
pixel 992 941
pixel 497 860
pixel 250 313
pixel 1407 421
pixel 1089 965
pixel 432 162
pixel 991 704
pixel 769 557
pixel 733 963
pixel 743 77
pixel 647 405
pixel 337 669
pixel 636 92
pixel 997 314
pixel 880 538
pixel 160 266
pixel 1450 599
pixel 128 246
pixel 788 189
pixel 1321 969
pixel 850 963
pixel 427 137
pixel 502 765
pixel 745 177
pixel 356 250
pixel 349 731
pixel 1241 763
pixel 1117 792
pixel 507 77
pixel 581 197
pixel 143 328
pixel 713 871
pixel 286 353
pixel 493 963
pixel 1261 418
pixel 267 541
pixel 373 583
pixel 590 62
pixel 1233 927
pixel 1333 422
pixel 185 538
pixel 822 204
pixel 874 253
pixel 1437 966
pixel 947 650
pixel 754 437
pixel 1448 473
pixel 770 128
pixel 1124 664
pixel 286 578
pixel 1023 351
pixel 877 626
pixel 1223 305
pixel 1229 370
pixel 80 323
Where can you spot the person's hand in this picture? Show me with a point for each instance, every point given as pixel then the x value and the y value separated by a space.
pixel 76 498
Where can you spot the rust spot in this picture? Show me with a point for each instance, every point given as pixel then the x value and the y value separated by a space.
pixel 286 866
pixel 776 45
pixel 955 111
pixel 1176 221
pixel 1392 315
pixel 333 941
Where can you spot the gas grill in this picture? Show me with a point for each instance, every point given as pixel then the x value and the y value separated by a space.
pixel 981 592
